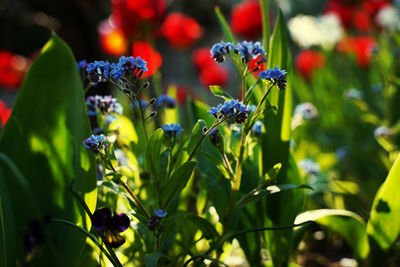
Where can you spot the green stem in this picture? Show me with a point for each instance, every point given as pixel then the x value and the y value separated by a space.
pixel 112 259
pixel 228 166
pixel 132 195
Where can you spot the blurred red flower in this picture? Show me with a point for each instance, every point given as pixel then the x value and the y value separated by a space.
pixel 246 19
pixel 361 46
pixel 4 112
pixel 12 69
pixel 210 73
pixel 112 39
pixel 214 75
pixel 181 31
pixel 307 61
pixel 201 58
pixel 359 13
pixel 138 17
pixel 151 56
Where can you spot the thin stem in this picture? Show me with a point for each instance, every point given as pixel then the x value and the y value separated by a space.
pixel 228 166
pixel 88 86
pixel 135 199
pixel 262 100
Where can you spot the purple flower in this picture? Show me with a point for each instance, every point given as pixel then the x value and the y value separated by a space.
pixel 110 226
pixel 96 143
pixel 172 129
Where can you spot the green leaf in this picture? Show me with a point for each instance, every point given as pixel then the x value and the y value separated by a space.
pixel 7 228
pixel 204 225
pixel 218 91
pixel 197 133
pixel 155 259
pixel 272 189
pixel 384 222
pixel 345 223
pixel 265 23
pixel 43 137
pixel 224 26
pixel 176 182
pixel 271 174
pixel 153 151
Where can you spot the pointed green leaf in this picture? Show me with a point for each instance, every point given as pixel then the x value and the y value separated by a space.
pixel 224 26
pixel 197 133
pixel 384 222
pixel 176 182
pixel 43 137
pixel 155 259
pixel 218 91
pixel 153 151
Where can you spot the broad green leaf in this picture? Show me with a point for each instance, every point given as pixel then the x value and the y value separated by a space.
pixel 43 137
pixel 384 222
pixel 153 151
pixel 7 228
pixel 224 26
pixel 176 182
pixel 155 259
pixel 345 223
pixel 218 91
pixel 197 133
pixel 272 189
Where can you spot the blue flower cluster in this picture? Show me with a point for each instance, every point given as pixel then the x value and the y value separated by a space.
pixel 247 50
pixel 275 75
pixel 166 100
pixel 96 143
pixel 99 71
pixel 82 65
pixel 172 129
pixel 105 104
pixel 232 109
pixel 154 220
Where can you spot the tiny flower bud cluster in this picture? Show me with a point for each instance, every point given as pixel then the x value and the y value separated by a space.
pixel 230 109
pixel 247 50
pixel 154 220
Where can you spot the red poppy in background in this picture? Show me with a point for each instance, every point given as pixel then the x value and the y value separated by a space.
pixel 12 69
pixel 210 73
pixel 361 46
pixel 214 75
pixel 4 112
pixel 360 14
pixel 112 39
pixel 307 61
pixel 246 19
pixel 181 31
pixel 201 58
pixel 151 56
pixel 138 17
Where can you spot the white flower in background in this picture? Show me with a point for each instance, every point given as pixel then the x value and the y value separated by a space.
pixel 302 112
pixel 389 18
pixel 353 93
pixel 309 31
pixel 382 131
pixel 309 166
